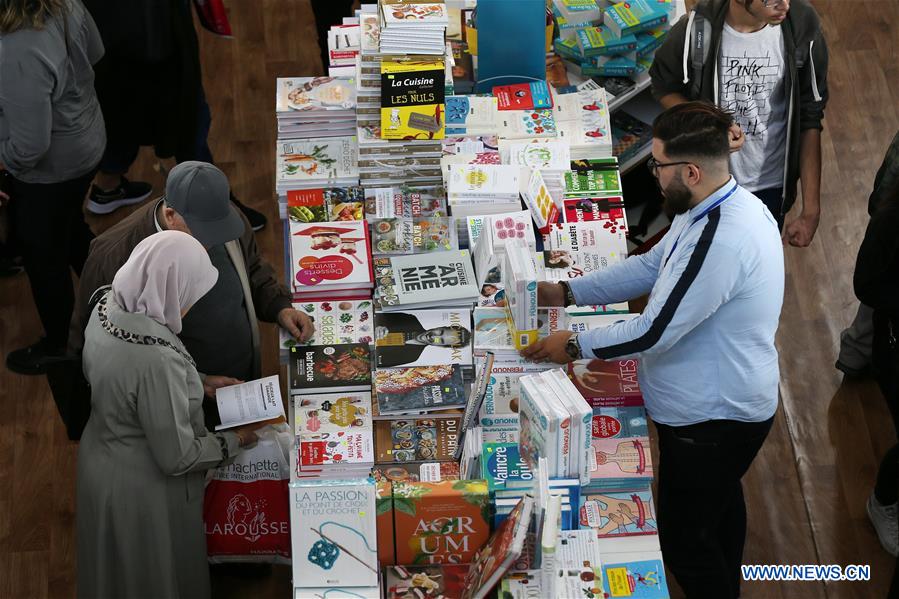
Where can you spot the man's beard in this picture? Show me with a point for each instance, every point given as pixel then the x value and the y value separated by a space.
pixel 678 196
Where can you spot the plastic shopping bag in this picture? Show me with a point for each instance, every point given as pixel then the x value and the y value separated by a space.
pixel 246 510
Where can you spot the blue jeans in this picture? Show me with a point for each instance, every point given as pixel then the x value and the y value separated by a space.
pixel 773 200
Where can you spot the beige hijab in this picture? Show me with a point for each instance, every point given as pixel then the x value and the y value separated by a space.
pixel 166 274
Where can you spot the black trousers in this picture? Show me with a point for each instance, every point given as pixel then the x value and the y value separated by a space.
pixel 54 240
pixel 701 511
pixel 885 359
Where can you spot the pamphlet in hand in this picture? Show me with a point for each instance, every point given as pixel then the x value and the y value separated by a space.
pixel 246 403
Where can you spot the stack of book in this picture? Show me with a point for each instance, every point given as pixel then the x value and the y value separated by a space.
pixel 424 281
pixel 474 580
pixel 334 434
pixel 322 205
pixel 315 107
pixel 583 121
pixel 489 235
pixel 413 27
pixel 519 276
pixel 478 189
pixel 334 539
pixel 330 260
pixel 423 235
pixel 555 425
pixel 336 322
pixel 344 42
pixel 314 164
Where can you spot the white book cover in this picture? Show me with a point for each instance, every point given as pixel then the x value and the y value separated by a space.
pixel 553 401
pixel 440 277
pixel 539 425
pixel 414 14
pixel 316 95
pixel 581 421
pixel 502 229
pixel 332 412
pixel 591 237
pixel 423 338
pixel 484 180
pixel 543 154
pixel 333 534
pixel 317 160
pixel 246 403
pixel 540 202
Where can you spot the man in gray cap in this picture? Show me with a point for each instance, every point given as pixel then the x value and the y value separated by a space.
pixel 220 331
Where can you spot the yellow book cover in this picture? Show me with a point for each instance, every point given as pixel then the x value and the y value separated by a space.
pixel 412 99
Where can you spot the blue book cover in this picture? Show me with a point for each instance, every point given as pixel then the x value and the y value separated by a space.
pixel 649 41
pixel 620 422
pixel 634 16
pixel 502 464
pixel 599 41
pixel 635 580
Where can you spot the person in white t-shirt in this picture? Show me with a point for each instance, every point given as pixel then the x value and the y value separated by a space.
pixel 766 62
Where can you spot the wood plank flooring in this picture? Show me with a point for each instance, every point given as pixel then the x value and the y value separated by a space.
pixel 805 492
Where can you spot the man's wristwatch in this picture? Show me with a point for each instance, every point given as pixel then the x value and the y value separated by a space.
pixel 573 348
pixel 569 295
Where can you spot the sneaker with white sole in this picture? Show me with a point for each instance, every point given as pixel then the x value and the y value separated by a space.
pixel 126 193
pixel 885 519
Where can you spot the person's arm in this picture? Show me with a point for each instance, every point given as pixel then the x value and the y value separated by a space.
pixel 813 94
pixel 701 281
pixel 801 231
pixel 667 69
pixel 25 100
pixel 621 282
pixel 269 296
pixel 162 408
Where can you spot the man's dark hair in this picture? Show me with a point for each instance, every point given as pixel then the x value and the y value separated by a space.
pixel 694 129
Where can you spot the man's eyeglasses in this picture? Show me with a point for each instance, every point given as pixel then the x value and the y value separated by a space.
pixel 775 3
pixel 654 165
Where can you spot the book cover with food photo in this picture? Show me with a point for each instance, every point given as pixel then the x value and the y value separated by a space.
pixel 332 204
pixel 332 412
pixel 337 368
pixel 419 389
pixel 316 95
pixel 416 439
pixel 413 235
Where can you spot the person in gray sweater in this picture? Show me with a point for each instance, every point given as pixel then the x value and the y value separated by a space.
pixel 52 136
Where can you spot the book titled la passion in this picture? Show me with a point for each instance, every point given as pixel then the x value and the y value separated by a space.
pixel 412 99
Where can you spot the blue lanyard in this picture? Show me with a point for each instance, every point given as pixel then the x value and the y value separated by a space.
pixel 699 217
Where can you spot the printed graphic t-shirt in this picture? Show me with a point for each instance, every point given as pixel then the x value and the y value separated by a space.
pixel 751 75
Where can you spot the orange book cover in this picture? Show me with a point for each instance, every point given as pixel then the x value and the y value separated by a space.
pixel 440 523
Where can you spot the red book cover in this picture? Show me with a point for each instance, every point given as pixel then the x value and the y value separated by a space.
pixel 523 96
pixel 610 211
pixel 607 383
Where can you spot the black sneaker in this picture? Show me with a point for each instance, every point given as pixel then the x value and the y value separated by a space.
pixel 33 360
pixel 127 193
pixel 256 218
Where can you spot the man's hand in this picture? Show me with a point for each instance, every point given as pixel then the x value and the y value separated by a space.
pixel 736 137
pixel 296 323
pixel 549 349
pixel 214 381
pixel 800 232
pixel 550 294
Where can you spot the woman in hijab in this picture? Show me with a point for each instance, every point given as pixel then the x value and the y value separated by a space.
pixel 145 450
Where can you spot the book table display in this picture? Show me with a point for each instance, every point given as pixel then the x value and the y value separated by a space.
pixel 430 459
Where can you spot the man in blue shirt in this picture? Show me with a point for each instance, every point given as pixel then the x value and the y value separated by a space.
pixel 708 370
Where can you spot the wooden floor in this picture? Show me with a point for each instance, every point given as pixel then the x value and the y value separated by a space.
pixel 806 492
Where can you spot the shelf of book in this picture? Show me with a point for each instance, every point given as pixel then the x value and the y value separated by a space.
pixel 642 82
